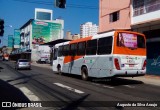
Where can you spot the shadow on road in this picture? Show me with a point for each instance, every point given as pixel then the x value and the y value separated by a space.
pixel 108 81
pixel 9 93
pixel 116 81
pixel 1 68
pixel 74 105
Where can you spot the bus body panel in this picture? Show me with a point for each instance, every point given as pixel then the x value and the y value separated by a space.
pixel 103 66
pixel 95 65
pixel 130 61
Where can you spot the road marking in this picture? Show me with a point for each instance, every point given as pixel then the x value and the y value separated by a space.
pixel 109 87
pixel 69 88
pixel 129 86
pixel 29 94
pixel 96 84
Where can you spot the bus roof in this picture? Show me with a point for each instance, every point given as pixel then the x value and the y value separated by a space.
pixel 101 35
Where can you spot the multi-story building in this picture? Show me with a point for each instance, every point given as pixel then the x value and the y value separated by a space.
pixel 36 32
pixel 137 15
pixel 71 36
pixel 88 29
pixel 114 14
pixel 68 35
pixel 75 36
pixel 146 19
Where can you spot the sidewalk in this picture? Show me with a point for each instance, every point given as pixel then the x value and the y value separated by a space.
pixel 147 79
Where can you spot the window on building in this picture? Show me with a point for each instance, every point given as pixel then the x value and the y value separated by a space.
pixel 114 16
pixel 138 3
pixel 105 45
pixel 91 48
pixel 81 48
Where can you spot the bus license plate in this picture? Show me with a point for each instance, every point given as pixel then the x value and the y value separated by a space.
pixel 131 65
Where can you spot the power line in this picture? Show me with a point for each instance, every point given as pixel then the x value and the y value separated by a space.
pixel 68 5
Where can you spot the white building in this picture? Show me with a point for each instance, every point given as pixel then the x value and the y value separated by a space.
pixel 36 32
pixel 88 29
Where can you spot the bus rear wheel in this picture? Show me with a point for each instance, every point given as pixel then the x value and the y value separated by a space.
pixel 84 73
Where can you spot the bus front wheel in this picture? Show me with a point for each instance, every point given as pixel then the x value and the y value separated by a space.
pixel 84 73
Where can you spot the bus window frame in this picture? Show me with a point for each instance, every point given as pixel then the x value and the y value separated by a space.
pixel 79 52
pixel 108 44
pixel 66 52
pixel 122 50
pixel 55 54
pixel 74 51
pixel 118 42
pixel 89 48
pixel 60 51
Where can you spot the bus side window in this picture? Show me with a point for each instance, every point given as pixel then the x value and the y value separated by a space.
pixel 140 42
pixel 73 49
pixel 66 50
pixel 55 54
pixel 91 48
pixel 60 51
pixel 81 48
pixel 105 45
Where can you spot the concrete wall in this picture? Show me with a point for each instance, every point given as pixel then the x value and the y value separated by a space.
pixel 109 6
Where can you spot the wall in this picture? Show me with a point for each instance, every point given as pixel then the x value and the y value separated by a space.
pixel 110 6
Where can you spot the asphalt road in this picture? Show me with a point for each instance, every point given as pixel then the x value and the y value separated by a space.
pixel 69 92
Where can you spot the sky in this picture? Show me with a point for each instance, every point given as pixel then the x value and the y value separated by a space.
pixel 18 12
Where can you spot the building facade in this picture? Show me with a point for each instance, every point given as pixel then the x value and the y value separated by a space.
pixel 114 14
pixel 68 35
pixel 75 36
pixel 146 19
pixel 88 29
pixel 36 32
pixel 71 36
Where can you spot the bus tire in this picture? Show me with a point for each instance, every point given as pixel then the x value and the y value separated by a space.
pixel 84 73
pixel 59 70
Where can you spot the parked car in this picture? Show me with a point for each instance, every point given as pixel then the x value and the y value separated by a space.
pixel 23 64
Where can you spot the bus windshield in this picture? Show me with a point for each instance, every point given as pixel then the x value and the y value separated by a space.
pixel 130 40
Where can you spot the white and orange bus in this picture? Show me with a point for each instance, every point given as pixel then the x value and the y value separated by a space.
pixel 111 54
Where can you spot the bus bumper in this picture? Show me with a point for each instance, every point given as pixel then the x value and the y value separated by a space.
pixel 128 73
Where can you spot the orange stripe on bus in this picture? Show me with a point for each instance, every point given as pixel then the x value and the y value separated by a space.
pixel 69 59
pixel 81 40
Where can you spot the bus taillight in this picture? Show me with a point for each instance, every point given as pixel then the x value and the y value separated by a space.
pixel 116 62
pixel 144 65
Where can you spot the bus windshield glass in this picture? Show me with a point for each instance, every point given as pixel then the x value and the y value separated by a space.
pixel 130 40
